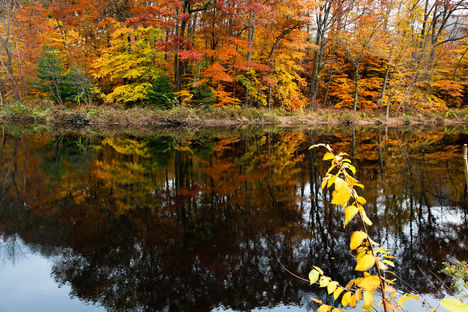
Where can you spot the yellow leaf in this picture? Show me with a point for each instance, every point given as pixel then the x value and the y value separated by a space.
pixel 331 287
pixel 365 263
pixel 358 295
pixel 337 293
pixel 412 297
pixel 328 156
pixel 351 167
pixel 350 284
pixel 369 283
pixel 336 310
pixel 324 308
pixel 361 200
pixel 316 300
pixel 324 182
pixel 345 299
pixel 356 239
pixel 354 182
pixel 324 281
pixel 401 301
pixel 313 276
pixel 454 305
pixel 365 218
pixel 390 289
pixel 342 192
pixel 366 307
pixel 317 145
pixel 368 297
pixel 390 263
pixel 318 269
pixel 331 181
pixel 352 301
pixel 350 212
pixel 382 266
pixel 390 307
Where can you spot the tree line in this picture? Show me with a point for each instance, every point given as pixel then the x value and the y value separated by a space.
pixel 387 54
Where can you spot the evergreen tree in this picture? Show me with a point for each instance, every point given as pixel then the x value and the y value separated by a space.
pixel 61 85
pixel 161 93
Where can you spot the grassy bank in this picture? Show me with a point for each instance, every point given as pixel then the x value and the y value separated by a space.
pixel 138 117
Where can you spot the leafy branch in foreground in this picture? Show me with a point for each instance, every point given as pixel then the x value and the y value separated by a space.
pixel 374 288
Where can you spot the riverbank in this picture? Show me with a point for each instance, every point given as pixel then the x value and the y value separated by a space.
pixel 138 117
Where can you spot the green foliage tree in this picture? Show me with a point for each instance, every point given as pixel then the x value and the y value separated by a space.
pixel 203 96
pixel 59 84
pixel 49 74
pixel 161 93
pixel 78 85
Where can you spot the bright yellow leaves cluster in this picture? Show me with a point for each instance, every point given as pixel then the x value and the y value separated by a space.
pixel 129 65
pixel 348 296
pixel 344 186
pixel 368 255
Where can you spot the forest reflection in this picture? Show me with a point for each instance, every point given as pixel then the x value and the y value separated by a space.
pixel 197 221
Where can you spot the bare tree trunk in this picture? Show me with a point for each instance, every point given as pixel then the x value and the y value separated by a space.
pixel 387 71
pixel 458 64
pixel 179 66
pixel 251 35
pixel 319 69
pixel 388 109
pixel 330 74
pixel 356 86
pixel 8 7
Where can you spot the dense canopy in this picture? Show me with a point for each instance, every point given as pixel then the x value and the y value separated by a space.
pixel 264 53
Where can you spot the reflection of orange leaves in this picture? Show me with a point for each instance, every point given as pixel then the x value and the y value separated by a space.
pixel 121 207
pixel 217 171
pixel 225 144
pixel 250 177
pixel 191 192
pixel 124 172
pixel 127 146
pixel 183 148
pixel 78 197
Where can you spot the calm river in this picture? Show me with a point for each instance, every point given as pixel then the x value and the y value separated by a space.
pixel 205 220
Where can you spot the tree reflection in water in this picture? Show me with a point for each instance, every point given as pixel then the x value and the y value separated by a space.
pixel 181 222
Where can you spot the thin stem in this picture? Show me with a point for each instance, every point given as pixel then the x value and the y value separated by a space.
pixel 295 275
pixel 341 169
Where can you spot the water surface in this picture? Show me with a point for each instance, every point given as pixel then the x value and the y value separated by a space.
pixel 194 220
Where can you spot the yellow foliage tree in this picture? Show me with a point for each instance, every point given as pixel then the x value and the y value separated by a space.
pixel 127 69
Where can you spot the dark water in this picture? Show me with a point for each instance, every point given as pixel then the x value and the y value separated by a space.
pixel 195 220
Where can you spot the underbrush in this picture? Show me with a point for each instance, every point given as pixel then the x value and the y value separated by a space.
pixel 41 112
pixel 21 112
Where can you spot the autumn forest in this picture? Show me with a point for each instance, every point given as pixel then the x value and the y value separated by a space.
pixel 291 54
